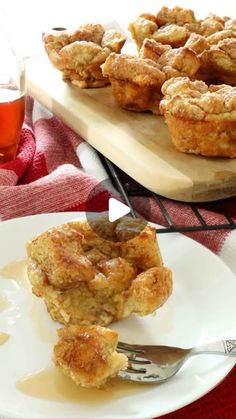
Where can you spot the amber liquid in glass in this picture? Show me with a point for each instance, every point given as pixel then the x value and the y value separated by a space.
pixel 12 109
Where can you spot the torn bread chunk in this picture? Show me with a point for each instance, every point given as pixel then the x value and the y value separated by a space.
pixel 87 354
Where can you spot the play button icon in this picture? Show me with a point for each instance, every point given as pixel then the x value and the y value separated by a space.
pixel 116 210
pixel 110 218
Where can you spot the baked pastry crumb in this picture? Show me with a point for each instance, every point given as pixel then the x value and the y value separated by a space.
pixel 87 354
pixel 86 278
pixel 201 119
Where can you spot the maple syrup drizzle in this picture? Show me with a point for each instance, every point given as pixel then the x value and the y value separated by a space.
pixel 51 384
pixel 16 270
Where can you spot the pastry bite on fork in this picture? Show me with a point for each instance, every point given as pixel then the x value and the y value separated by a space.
pixel 87 354
pixel 98 273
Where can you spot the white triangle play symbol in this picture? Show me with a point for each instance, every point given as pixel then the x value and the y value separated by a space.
pixel 116 209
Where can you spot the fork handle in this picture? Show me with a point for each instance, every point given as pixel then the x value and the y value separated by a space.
pixel 223 347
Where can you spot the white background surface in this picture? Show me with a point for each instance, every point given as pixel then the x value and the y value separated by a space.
pixel 30 17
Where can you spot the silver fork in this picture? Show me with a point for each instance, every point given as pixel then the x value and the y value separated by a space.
pixel 156 363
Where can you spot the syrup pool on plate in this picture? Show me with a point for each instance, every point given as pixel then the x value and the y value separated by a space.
pixel 51 384
pixel 16 270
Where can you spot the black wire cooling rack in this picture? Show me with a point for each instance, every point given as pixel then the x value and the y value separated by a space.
pixel 128 187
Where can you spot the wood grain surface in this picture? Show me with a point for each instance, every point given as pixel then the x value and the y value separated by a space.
pixel 138 143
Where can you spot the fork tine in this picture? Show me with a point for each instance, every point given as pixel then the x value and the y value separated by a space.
pixel 130 348
pixel 133 358
pixel 135 370
pixel 138 361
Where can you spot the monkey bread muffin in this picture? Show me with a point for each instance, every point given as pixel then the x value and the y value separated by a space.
pixel 90 278
pixel 136 82
pixel 79 54
pixel 201 119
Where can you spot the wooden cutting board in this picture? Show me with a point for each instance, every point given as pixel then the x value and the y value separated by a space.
pixel 138 143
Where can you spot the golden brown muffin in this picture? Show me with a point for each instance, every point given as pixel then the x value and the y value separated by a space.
pixel 173 62
pixel 136 82
pixel 80 53
pixel 88 278
pixel 87 354
pixel 201 119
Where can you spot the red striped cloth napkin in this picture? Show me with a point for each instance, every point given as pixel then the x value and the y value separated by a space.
pixel 55 171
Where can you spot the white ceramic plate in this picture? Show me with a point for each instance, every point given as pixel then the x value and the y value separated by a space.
pixel 202 308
